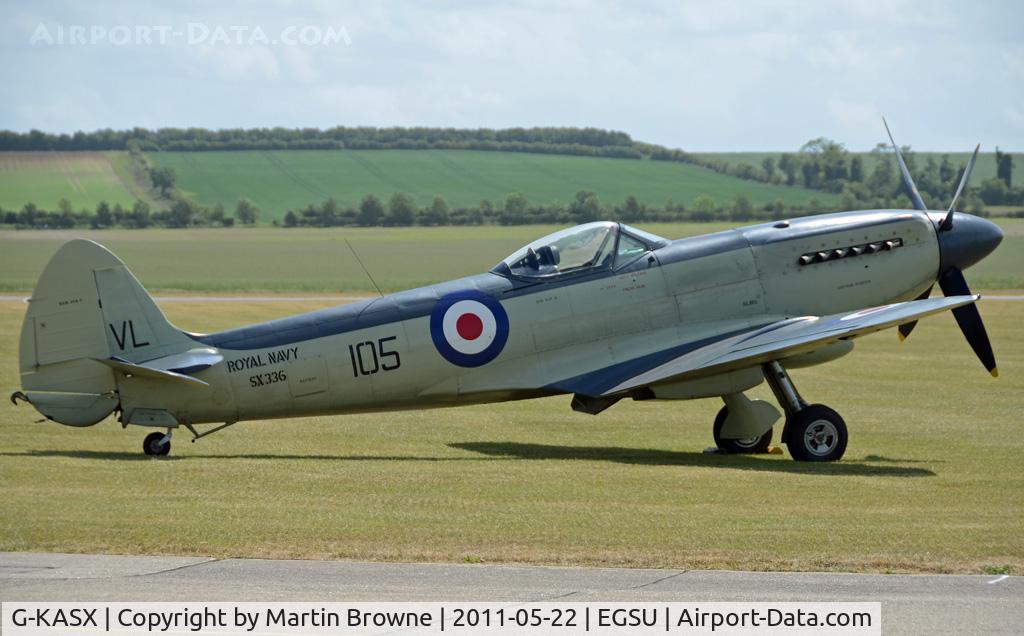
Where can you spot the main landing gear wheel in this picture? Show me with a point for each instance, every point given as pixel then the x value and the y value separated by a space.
pixel 752 445
pixel 155 446
pixel 816 434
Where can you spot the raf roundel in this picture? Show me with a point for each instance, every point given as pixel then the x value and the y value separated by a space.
pixel 469 328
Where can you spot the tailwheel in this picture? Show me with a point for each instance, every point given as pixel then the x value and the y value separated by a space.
pixel 157 444
pixel 816 434
pixel 751 445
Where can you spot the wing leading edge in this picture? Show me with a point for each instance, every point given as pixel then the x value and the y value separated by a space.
pixel 787 338
pixel 756 346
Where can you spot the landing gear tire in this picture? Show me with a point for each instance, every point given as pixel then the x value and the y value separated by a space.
pixel 749 446
pixel 816 434
pixel 154 446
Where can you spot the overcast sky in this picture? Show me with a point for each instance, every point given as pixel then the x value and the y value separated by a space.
pixel 716 75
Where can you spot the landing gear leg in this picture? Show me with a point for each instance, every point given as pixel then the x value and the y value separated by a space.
pixel 157 444
pixel 813 432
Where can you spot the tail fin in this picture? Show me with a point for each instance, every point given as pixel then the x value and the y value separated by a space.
pixel 87 306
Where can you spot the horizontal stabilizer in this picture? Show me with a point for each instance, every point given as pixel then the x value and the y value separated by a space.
pixel 143 371
pixel 191 361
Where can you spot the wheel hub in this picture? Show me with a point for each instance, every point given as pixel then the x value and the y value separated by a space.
pixel 820 437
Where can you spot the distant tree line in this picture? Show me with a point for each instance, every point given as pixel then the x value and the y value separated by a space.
pixel 826 165
pixel 181 212
pixel 570 141
pixel 401 210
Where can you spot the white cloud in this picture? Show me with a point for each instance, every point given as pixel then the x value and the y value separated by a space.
pixel 298 64
pixel 853 114
pixel 236 64
pixel 1013 115
pixel 718 74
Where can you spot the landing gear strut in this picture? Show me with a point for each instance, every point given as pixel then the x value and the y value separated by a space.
pixel 157 444
pixel 813 432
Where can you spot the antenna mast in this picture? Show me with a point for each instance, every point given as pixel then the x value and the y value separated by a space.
pixel 365 271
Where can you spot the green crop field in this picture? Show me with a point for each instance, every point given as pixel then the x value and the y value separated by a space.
pixel 985 168
pixel 931 481
pixel 317 260
pixel 279 180
pixel 44 178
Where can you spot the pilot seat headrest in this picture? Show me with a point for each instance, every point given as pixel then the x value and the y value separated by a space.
pixel 548 255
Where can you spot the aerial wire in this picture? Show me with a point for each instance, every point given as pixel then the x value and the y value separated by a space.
pixel 366 271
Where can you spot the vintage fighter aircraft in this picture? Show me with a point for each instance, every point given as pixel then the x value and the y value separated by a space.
pixel 602 312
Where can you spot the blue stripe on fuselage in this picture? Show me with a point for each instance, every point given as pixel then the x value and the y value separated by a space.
pixel 596 383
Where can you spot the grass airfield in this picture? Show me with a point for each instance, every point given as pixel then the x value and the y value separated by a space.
pixel 317 259
pixel 931 482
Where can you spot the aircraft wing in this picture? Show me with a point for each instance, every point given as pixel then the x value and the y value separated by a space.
pixel 782 339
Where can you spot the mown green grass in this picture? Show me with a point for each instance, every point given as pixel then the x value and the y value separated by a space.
pixel 299 259
pixel 317 260
pixel 44 178
pixel 279 180
pixel 931 481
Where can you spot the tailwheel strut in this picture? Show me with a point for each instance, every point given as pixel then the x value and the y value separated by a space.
pixel 196 434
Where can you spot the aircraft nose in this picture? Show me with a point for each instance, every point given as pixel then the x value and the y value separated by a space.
pixel 970 240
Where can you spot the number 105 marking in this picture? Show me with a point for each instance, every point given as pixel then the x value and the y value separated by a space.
pixel 370 357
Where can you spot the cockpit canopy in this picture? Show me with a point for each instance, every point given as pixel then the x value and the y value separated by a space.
pixel 584 248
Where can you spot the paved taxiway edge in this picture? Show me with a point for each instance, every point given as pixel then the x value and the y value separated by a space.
pixel 926 604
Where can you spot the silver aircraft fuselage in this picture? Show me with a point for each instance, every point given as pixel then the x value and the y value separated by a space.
pixel 379 354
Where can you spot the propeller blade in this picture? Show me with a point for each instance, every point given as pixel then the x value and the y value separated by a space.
pixel 915 196
pixel 947 223
pixel 905 329
pixel 953 283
